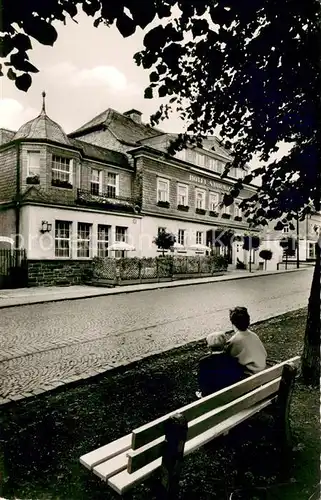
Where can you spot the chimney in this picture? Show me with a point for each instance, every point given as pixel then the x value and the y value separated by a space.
pixel 135 115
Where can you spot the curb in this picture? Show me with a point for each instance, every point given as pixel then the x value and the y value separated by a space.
pixel 96 373
pixel 143 288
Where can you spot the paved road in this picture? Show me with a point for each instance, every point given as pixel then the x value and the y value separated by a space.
pixel 45 345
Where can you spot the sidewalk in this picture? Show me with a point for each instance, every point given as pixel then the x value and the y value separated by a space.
pixel 39 295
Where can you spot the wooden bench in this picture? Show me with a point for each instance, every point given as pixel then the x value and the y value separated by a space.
pixel 155 447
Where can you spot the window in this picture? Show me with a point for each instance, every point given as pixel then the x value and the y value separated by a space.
pixel 209 163
pixel 213 202
pixel 181 236
pixel 33 169
pixel 225 209
pixel 112 185
pixel 120 235
pixel 190 155
pixel 199 237
pixel 311 250
pixel 200 160
pixel 182 194
pixel 162 189
pixel 218 167
pixel 102 240
pixel 95 183
pixel 181 155
pixel 83 240
pixel 286 228
pixel 237 209
pixel 200 198
pixel 62 238
pixel 233 172
pixel 61 170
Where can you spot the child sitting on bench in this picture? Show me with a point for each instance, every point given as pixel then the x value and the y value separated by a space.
pixel 219 369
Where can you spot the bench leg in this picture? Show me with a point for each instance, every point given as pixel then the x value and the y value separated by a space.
pixel 172 458
pixel 282 409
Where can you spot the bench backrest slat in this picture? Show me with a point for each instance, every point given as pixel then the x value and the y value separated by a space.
pixel 148 453
pixel 149 432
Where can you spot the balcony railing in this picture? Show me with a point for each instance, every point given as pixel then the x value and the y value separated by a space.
pixel 107 202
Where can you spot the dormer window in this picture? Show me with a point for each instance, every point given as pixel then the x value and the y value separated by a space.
pixel 96 182
pixel 33 167
pixel 112 185
pixel 61 172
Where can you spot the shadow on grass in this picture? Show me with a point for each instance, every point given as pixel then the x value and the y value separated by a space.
pixel 42 438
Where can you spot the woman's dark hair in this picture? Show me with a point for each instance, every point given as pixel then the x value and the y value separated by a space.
pixel 240 318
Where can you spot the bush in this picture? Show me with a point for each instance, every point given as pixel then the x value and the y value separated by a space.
pixel 104 268
pixel 266 254
pixel 240 264
pixel 165 266
pixel 219 262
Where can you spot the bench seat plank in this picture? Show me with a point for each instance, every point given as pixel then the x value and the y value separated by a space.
pixel 141 457
pixel 124 481
pixel 110 450
pixel 111 466
pixel 153 430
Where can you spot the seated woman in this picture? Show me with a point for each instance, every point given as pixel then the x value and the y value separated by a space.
pixel 245 346
pixel 219 369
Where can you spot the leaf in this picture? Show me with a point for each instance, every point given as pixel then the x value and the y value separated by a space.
pixel 161 69
pixel 148 94
pixel 23 82
pixel 125 25
pixel 248 179
pixel 227 200
pixel 143 13
pixel 155 38
pixel 90 8
pixel 1 73
pixel 162 91
pixel 19 62
pixel 200 26
pixel 71 8
pixel 22 42
pixel 154 77
pixel 11 74
pixel 41 30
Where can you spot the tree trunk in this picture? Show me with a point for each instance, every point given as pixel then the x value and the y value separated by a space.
pixel 311 350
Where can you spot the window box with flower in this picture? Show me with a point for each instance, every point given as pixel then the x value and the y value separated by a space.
pixel 238 218
pixel 200 211
pixel 62 184
pixel 212 213
pixel 226 216
pixel 33 179
pixel 163 204
pixel 183 208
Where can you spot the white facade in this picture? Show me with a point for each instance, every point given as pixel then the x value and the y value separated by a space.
pixel 42 245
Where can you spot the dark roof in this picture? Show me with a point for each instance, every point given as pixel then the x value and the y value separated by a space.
pixel 42 127
pixel 6 135
pixel 130 111
pixel 99 153
pixel 122 127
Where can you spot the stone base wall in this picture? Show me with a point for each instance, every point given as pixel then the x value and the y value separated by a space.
pixel 57 272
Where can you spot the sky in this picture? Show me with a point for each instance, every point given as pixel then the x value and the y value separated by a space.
pixel 86 71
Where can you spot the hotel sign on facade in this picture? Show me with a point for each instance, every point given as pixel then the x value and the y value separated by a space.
pixel 209 183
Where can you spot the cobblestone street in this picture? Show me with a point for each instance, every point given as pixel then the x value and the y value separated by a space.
pixel 46 345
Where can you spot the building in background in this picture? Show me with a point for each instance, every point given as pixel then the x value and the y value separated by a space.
pixel 68 198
